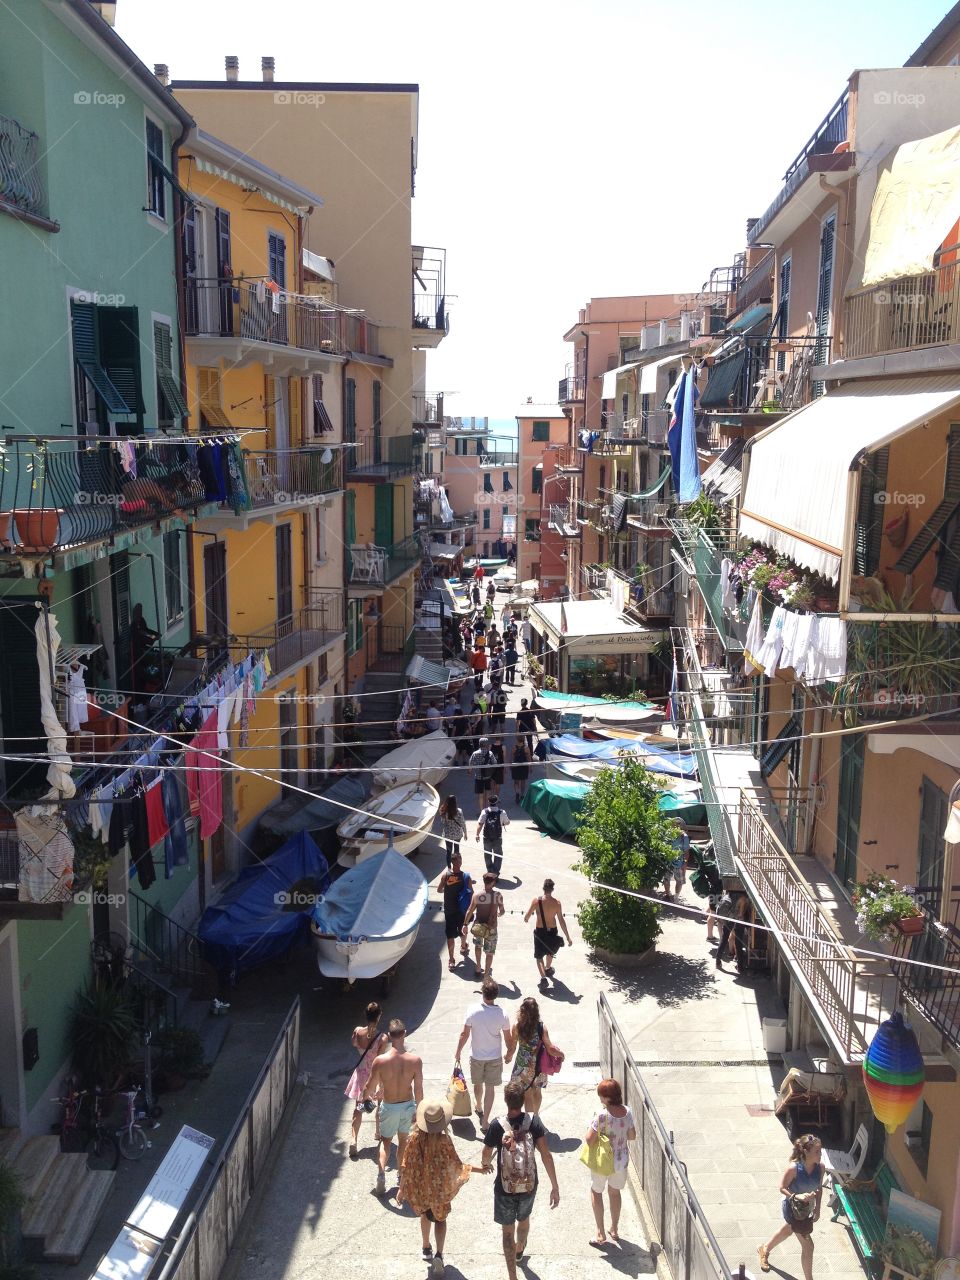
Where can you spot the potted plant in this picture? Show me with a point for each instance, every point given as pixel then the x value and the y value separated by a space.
pixel 181 1057
pixel 103 1034
pixel 550 683
pixel 885 908
pixel 535 672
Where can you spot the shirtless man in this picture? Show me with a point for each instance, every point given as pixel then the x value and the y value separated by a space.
pixel 399 1075
pixel 546 936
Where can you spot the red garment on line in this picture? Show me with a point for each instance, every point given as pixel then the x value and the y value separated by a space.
pixel 204 778
pixel 157 825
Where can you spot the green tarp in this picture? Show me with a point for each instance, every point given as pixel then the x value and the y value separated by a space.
pixel 556 806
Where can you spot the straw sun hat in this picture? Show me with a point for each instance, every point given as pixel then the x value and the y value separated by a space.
pixel 434 1115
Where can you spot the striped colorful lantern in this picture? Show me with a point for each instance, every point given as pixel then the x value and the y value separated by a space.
pixel 893 1072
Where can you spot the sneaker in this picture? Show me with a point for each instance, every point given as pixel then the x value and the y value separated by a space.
pixel 438 1264
pixel 718 964
pixel 381 1187
pixel 353 1151
pixel 550 972
pixel 427 1252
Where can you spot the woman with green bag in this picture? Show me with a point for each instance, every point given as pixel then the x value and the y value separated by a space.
pixel 606 1154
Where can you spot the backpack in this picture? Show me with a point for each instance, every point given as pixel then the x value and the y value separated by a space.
pixel 492 826
pixel 518 1168
pixel 726 907
pixel 499 700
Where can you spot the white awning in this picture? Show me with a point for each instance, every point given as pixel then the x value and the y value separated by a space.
pixel 609 390
pixel 796 493
pixel 648 374
pixel 593 626
pixel 916 202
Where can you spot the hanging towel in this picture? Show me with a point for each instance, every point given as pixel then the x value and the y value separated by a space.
pixel 78 712
pixel 261 292
pixel 788 653
pixel 803 641
pixel 157 826
pixel 101 810
pixel 728 600
pixel 204 777
pixel 770 650
pixel 223 720
pixel 175 851
pixel 830 653
pixel 754 640
pixel 138 836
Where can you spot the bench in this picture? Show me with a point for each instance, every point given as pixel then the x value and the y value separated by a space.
pixel 864 1203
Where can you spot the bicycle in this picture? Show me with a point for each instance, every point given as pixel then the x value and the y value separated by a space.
pixel 71 1128
pixel 130 1137
pixel 102 1150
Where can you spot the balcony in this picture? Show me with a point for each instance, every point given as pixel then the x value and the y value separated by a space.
pixel 849 996
pixel 934 992
pixel 374 457
pixel 242 323
pixel 283 480
pixel 59 492
pixel 654 602
pixel 571 390
pixel 755 287
pixel 428 410
pixel 818 156
pixel 903 314
pixel 899 670
pixel 563 519
pixel 654 425
pixel 703 551
pixel 492 459
pixel 648 513
pixel 430 320
pixel 763 376
pixel 374 567
pixel 293 641
pixel 568 458
pixel 22 193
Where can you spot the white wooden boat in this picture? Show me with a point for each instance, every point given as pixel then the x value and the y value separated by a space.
pixel 405 813
pixel 577 770
pixel 368 920
pixel 426 759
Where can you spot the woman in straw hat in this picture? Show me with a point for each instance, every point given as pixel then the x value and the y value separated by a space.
pixel 432 1174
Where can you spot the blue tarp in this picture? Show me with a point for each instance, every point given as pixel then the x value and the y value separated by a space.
pixel 383 897
pixel 255 920
pixel 291 816
pixel 678 764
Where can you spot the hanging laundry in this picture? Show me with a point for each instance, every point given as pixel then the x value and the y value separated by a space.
pixel 78 712
pixel 175 848
pixel 829 652
pixel 204 777
pixel 768 656
pixel 754 640
pixel 138 838
pixel 261 292
pixel 101 809
pixel 46 855
pixel 157 826
pixel 788 639
pixel 728 599
pixel 128 458
pixel 244 738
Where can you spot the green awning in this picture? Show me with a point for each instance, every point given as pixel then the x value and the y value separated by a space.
pixel 750 319
pixel 654 489
pixel 724 382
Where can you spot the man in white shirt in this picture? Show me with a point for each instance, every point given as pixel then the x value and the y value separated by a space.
pixel 434 718
pixel 484 1026
pixel 491 822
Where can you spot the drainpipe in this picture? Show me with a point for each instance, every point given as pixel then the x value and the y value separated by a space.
pixel 814 776
pixel 849 529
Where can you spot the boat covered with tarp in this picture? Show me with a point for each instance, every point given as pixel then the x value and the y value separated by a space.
pixel 679 764
pixel 550 706
pixel 424 759
pixel 556 804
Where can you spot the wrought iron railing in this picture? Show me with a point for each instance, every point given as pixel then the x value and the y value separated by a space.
pixel 291 477
pixel 571 390
pixel 162 946
pixel 21 179
pixel 229 308
pixel 853 994
pixel 563 518
pixel 297 637
pixel 377 454
pixel 935 990
pixel 379 565
pixel 568 458
pixel 427 409
pixel 655 424
pixel 912 311
pixel 60 491
pixel 897 670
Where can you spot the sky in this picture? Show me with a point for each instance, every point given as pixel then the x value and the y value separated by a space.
pixel 568 149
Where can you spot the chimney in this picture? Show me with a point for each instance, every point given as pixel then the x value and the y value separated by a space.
pixel 266 66
pixel 162 72
pixel 232 63
pixel 106 10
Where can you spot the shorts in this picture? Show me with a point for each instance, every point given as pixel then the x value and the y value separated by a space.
pixel 396 1117
pixel 799 1226
pixel 488 945
pixel 481 785
pixel 453 925
pixel 615 1182
pixel 509 1209
pixel 486 1070
pixel 546 942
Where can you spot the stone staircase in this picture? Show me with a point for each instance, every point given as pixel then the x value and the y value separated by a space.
pixel 381 706
pixel 64 1198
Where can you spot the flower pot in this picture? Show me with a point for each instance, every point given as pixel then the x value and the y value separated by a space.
pixel 39 528
pixel 6 539
pixel 626 959
pixel 910 925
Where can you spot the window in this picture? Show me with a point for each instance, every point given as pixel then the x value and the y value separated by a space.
pixel 461 447
pixel 289 753
pixel 828 233
pixel 106 353
pixel 625 404
pixel 322 672
pixel 354 626
pixel 782 318
pixel 156 175
pixel 504 512
pixel 170 403
pixel 173 575
pixel 487 482
pixel 321 419
pixel 870 513
pixel 541 431
pixel 212 417
pixel 919 1134
pixel 506 486
pixel 350 410
pixel 377 402
pixel 531 529
pixel 536 483
pixel 428 464
pixel 320 519
pixel 486 517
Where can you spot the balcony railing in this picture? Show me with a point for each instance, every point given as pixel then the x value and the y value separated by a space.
pixel 656 602
pixel 568 458
pixel 757 284
pixel 374 454
pixel 655 424
pixel 290 477
pixel 297 638
pixel 852 994
pixel 704 550
pixel 899 670
pixel 378 566
pixel 763 375
pixel 647 513
pixel 427 408
pixel 60 491
pixel 563 519
pixel 828 135
pixel 497 458
pixel 571 390
pixel 238 309
pixel 899 315
pixel 21 182
pixel 936 992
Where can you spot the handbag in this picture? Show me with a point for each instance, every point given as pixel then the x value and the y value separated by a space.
pixel 458 1093
pixel 548 1064
pixel 480 931
pixel 801 1205
pixel 598 1156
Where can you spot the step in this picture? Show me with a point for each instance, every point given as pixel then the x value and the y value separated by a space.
pixel 33 1162
pixel 212 1030
pixel 11 1140
pixel 76 1226
pixel 44 1210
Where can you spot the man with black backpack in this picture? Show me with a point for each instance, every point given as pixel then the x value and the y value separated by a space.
pixel 515 1138
pixel 482 764
pixel 491 822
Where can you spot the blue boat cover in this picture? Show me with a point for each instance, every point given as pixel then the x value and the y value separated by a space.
pixel 383 896
pixel 290 816
pixel 658 759
pixel 254 921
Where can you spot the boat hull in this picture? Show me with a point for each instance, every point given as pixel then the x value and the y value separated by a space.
pixel 368 959
pixel 406 842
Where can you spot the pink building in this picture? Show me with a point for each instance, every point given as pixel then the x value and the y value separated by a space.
pixel 541 429
pixel 480 477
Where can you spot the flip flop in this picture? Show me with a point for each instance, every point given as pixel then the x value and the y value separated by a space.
pixel 451 966
pixel 597 1241
pixel 478 1113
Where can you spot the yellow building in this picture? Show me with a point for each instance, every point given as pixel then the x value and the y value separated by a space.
pixel 265 351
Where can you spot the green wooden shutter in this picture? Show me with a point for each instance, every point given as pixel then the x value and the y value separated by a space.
pixel 870 513
pixel 22 731
pixel 166 383
pixel 118 331
pixel 377 402
pixel 932 529
pixel 350 411
pixel 351 500
pixel 383 515
pixel 86 352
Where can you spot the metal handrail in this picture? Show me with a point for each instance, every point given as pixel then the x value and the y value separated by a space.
pixel 165 942
pixel 21 181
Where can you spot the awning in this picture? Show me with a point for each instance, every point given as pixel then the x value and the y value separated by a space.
pixel 723 381
pixel 421 670
pixel 916 202
pixel 239 180
pixel 648 374
pixel 751 318
pixel 609 389
pixel 796 494
pixel 593 626
pixel 721 480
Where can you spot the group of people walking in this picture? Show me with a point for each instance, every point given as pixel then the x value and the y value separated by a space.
pixel 388 1077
